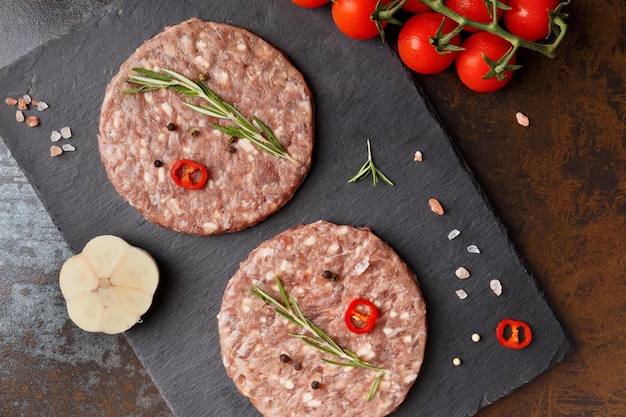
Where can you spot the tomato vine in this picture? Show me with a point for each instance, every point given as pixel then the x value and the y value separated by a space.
pixel 558 28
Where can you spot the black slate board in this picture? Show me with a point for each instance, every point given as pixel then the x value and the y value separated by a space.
pixel 362 92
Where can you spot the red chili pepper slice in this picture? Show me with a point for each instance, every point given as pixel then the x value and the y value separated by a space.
pixel 508 333
pixel 361 316
pixel 189 174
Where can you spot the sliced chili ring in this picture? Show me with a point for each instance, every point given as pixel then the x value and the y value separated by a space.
pixel 361 316
pixel 189 174
pixel 513 334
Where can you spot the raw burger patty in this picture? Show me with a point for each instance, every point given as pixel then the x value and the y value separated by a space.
pixel 245 185
pixel 253 336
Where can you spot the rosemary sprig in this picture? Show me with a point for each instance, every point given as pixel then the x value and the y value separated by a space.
pixel 369 168
pixel 316 338
pixel 255 131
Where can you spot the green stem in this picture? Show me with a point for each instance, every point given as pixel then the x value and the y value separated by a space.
pixel 493 27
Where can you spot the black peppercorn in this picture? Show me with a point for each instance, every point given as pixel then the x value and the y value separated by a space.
pixel 158 163
pixel 284 357
pixel 232 149
pixel 315 384
pixel 171 127
pixel 329 275
pixel 297 366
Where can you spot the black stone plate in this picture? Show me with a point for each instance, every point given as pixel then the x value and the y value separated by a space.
pixel 362 92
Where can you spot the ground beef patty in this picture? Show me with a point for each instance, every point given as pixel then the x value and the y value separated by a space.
pixel 245 185
pixel 253 336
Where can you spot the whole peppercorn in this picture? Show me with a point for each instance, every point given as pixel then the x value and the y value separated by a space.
pixel 329 275
pixel 284 357
pixel 297 366
pixel 315 384
pixel 158 163
pixel 171 127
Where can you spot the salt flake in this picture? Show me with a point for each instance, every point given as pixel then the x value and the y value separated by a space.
pixel 496 287
pixel 55 151
pixel 473 249
pixel 522 119
pixel 66 132
pixel 462 273
pixel 453 234
pixel 361 267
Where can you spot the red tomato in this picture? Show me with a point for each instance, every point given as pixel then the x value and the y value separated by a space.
pixel 353 18
pixel 529 19
pixel 310 4
pixel 416 6
pixel 414 43
pixel 477 10
pixel 472 67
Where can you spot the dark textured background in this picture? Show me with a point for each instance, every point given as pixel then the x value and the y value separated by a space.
pixel 558 185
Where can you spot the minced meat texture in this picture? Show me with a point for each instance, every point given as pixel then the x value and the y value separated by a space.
pixel 245 184
pixel 253 337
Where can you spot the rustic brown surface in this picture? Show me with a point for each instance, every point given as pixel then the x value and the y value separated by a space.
pixel 559 185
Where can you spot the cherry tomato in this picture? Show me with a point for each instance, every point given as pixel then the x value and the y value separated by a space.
pixel 472 67
pixel 416 6
pixel 477 10
pixel 353 18
pixel 414 43
pixel 529 19
pixel 310 4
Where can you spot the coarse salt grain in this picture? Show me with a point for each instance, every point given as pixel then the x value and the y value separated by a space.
pixel 10 101
pixel 55 150
pixel 21 104
pixel 522 119
pixel 473 249
pixel 55 136
pixel 461 294
pixel 41 106
pixel 496 287
pixel 19 116
pixel 462 273
pixel 435 206
pixel 453 234
pixel 66 133
pixel 32 121
pixel 27 99
pixel 361 267
pixel 68 148
pixel 418 156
